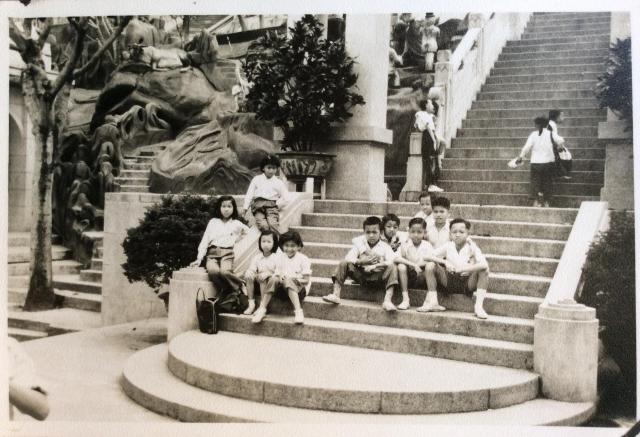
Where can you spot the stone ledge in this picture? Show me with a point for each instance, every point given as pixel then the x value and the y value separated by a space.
pixel 361 133
pixel 614 130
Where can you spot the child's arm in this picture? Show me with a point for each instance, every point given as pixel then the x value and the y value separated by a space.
pixel 204 244
pixel 282 192
pixel 438 256
pixel 243 230
pixel 249 196
pixel 479 265
pixel 29 401
pixel 527 147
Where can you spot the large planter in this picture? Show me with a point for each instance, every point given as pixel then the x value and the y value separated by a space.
pixel 298 166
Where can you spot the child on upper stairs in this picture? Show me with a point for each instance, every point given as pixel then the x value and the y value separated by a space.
pixel 267 191
pixel 425 123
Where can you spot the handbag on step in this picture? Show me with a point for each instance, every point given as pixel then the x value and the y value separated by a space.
pixel 206 312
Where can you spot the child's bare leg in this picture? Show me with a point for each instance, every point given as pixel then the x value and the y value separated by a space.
pixel 431 300
pixel 390 277
pixel 479 281
pixel 250 284
pixel 403 279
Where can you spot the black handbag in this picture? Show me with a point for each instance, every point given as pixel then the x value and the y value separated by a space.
pixel 563 158
pixel 234 301
pixel 206 312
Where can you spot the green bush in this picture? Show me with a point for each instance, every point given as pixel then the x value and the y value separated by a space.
pixel 166 239
pixel 614 87
pixel 609 286
pixel 302 83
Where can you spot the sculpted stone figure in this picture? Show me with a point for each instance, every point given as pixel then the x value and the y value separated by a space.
pixel 431 33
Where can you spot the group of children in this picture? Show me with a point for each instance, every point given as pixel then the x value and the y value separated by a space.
pixel 434 250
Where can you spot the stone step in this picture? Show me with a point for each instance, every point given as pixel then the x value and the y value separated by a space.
pixel 555 44
pixel 530 114
pixel 489 244
pixel 146 157
pixel 511 152
pixel 75 283
pixel 525 130
pixel 569 15
pixel 540 104
pixel 566 35
pixel 569 122
pixel 409 209
pixel 604 19
pixel 137 166
pixel 558 54
pixel 535 94
pixel 312 382
pixel 575 59
pixel 19 239
pixel 558 201
pixel 497 303
pixel 60 267
pixel 446 322
pixel 558 68
pixel 131 181
pixel 90 275
pixel 79 300
pixel 25 334
pixel 578 165
pixel 576 28
pixel 546 77
pixel 134 189
pixel 23 254
pixel 99 253
pixel 17 320
pixel 96 264
pixel 148 381
pixel 561 188
pixel 579 177
pixel 134 174
pixel 583 145
pixel 503 228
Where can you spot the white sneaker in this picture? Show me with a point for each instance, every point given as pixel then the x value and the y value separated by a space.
pixel 437 307
pixel 388 306
pixel 331 298
pixel 251 308
pixel 298 317
pixel 404 305
pixel 428 308
pixel 481 313
pixel 259 315
pixel 434 189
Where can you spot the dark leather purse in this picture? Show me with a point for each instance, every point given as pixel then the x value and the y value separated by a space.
pixel 206 312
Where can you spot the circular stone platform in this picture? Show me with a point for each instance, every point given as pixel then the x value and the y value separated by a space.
pixel 321 376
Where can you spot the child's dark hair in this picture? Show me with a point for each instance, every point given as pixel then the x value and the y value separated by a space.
pixel 422 104
pixel 266 233
pixel 218 204
pixel 540 123
pixel 460 220
pixel 291 236
pixel 418 221
pixel 389 218
pixel 436 107
pixel 425 194
pixel 269 160
pixel 554 114
pixel 441 201
pixel 372 220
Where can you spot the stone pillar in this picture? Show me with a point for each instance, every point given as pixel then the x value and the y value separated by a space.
pixel 565 351
pixel 413 186
pixel 358 171
pixel 184 287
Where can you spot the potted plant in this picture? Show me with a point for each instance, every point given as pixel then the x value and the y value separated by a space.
pixel 614 86
pixel 302 84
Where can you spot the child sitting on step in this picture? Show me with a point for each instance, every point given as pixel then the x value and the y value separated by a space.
pixel 424 200
pixel 368 260
pixel 292 278
pixel 267 191
pixel 438 222
pixel 223 231
pixel 462 268
pixel 413 266
pixel 262 267
pixel 390 233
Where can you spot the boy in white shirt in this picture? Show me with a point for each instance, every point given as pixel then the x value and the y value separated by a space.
pixel 267 191
pixel 462 268
pixel 368 261
pixel 424 123
pixel 438 222
pixel 424 199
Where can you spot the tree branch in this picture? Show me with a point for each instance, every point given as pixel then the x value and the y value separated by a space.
pixel 104 47
pixel 67 72
pixel 17 36
pixel 45 33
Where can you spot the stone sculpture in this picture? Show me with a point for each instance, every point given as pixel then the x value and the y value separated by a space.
pixel 431 33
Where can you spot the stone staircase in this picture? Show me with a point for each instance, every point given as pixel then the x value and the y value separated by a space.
pixel 555 65
pixel 134 178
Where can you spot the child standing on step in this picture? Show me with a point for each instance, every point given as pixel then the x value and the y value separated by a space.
pixel 292 278
pixel 368 260
pixel 556 117
pixel 223 231
pixel 267 191
pixel 262 267
pixel 413 266
pixel 424 122
pixel 543 161
pixel 462 268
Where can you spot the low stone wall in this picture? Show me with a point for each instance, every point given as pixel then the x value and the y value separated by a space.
pixel 123 301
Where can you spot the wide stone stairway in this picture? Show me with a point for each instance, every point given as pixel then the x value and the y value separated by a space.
pixel 555 65
pixel 356 362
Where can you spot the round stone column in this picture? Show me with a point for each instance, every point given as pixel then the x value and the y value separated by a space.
pixel 565 351
pixel 183 289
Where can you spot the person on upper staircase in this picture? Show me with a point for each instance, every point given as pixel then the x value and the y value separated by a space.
pixel 424 200
pixel 267 191
pixel 556 117
pixel 425 123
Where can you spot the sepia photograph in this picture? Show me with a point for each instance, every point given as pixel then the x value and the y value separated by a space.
pixel 372 217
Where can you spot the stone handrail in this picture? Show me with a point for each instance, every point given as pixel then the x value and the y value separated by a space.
pixel 460 75
pixel 592 218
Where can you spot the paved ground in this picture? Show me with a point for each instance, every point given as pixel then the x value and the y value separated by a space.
pixel 82 372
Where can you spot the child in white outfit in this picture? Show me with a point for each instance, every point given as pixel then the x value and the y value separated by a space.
pixel 262 267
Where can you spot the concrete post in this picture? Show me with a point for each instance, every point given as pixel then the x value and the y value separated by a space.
pixel 184 287
pixel 413 186
pixel 565 351
pixel 358 171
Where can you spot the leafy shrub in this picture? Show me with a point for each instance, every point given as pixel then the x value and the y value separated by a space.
pixel 301 84
pixel 166 239
pixel 609 286
pixel 614 87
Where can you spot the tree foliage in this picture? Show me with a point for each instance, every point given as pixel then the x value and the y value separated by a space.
pixel 609 286
pixel 166 239
pixel 301 83
pixel 614 87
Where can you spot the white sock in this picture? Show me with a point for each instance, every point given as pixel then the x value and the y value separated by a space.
pixel 432 297
pixel 480 295
pixel 405 296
